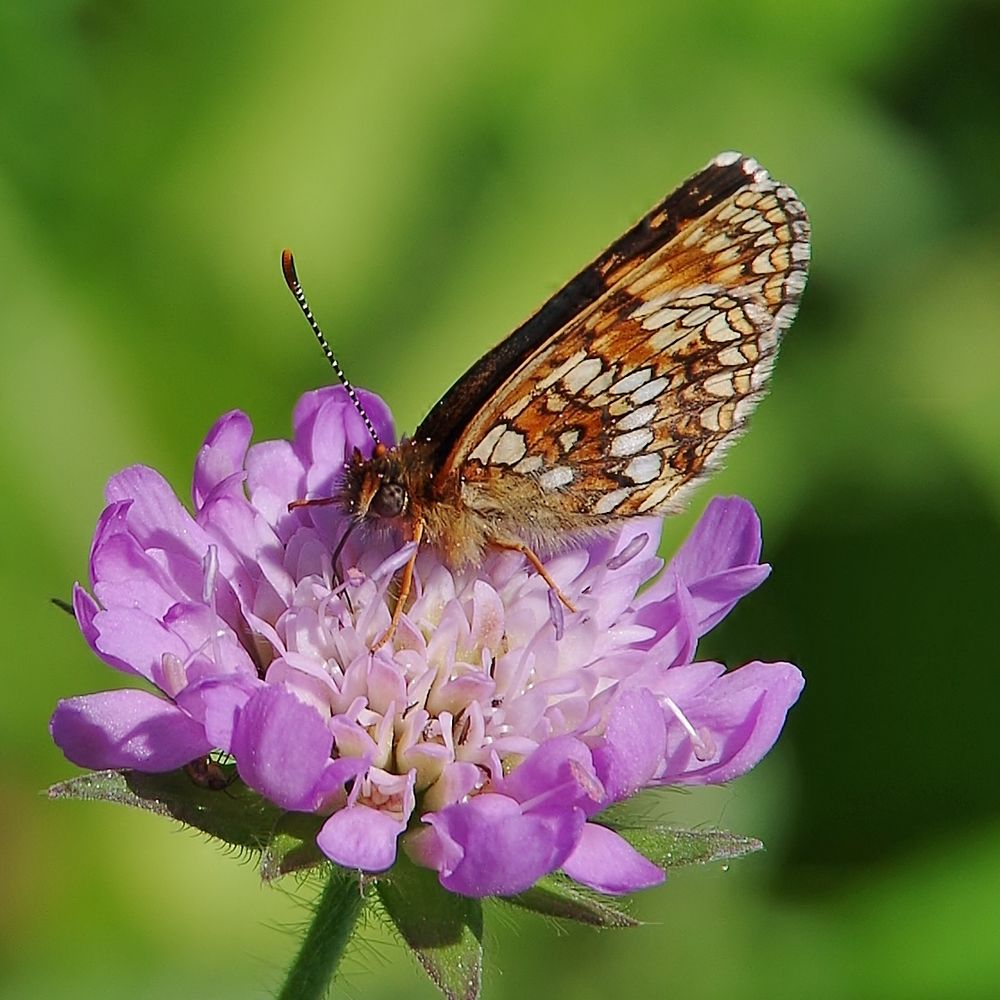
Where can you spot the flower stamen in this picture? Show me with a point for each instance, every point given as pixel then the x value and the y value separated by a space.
pixel 556 615
pixel 702 743
pixel 628 553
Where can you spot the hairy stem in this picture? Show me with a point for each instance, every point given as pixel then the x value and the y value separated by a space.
pixel 336 913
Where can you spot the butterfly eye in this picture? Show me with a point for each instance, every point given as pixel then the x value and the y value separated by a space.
pixel 389 500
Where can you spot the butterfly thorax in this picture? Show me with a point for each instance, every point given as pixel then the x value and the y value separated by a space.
pixel 396 489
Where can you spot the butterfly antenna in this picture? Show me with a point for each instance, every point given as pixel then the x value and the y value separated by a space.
pixel 292 280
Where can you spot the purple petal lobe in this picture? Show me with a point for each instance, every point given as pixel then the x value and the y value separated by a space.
pixel 216 703
pixel 134 641
pixel 157 518
pixel 364 834
pixel 281 748
pixel 126 729
pixel 222 454
pixel 726 535
pixel 634 742
pixel 501 850
pixel 359 837
pixel 560 768
pixel 715 596
pixel 84 609
pixel 607 863
pixel 739 717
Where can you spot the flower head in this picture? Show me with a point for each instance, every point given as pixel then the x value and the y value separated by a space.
pixel 491 731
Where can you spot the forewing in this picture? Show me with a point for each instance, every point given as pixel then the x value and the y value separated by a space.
pixel 636 395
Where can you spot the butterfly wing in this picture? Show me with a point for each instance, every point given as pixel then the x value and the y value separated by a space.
pixel 625 390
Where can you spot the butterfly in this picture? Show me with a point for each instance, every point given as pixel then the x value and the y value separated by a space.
pixel 615 399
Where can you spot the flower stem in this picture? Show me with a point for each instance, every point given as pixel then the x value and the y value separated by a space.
pixel 336 913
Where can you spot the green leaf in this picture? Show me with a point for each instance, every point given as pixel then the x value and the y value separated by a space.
pixel 444 930
pixel 671 848
pixel 558 896
pixel 292 847
pixel 234 814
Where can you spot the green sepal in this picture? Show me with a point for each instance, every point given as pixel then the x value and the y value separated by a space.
pixel 233 814
pixel 292 847
pixel 561 897
pixel 669 847
pixel 444 930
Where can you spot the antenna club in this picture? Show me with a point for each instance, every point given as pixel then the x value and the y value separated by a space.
pixel 288 269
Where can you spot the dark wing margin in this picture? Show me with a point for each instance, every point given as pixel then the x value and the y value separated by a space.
pixel 447 420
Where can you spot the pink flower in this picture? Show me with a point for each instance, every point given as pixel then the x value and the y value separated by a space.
pixel 490 733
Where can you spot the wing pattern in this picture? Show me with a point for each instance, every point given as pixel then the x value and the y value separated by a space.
pixel 662 349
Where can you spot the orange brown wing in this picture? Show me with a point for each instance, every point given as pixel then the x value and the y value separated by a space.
pixel 628 386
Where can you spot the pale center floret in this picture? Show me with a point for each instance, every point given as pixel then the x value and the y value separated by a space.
pixel 483 668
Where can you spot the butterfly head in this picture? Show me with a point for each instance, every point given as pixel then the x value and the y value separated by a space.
pixel 375 489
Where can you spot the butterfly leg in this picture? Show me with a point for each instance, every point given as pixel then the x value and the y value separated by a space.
pixel 315 502
pixel 515 546
pixel 325 502
pixel 405 583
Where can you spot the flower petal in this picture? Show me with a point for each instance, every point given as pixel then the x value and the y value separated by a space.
pixel 85 609
pixel 222 454
pixel 360 837
pixel 607 863
pixel 364 834
pixel 738 719
pixel 498 850
pixel 281 748
pixel 216 703
pixel 156 517
pixel 122 572
pixel 131 640
pixel 726 535
pixel 718 562
pixel 715 596
pixel 275 477
pixel 560 771
pixel 633 745
pixel 126 729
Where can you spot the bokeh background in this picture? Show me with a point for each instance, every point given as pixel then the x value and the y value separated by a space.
pixel 439 170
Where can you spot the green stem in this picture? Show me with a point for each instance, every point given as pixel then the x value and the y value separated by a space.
pixel 337 911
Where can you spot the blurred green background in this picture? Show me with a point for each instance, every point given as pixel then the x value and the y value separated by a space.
pixel 439 170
